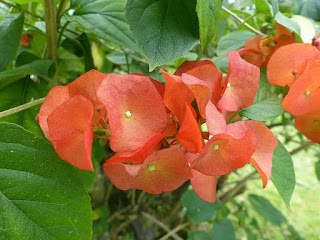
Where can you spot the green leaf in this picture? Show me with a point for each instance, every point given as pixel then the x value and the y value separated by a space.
pixel 25 1
pixel 104 18
pixel 208 13
pixel 165 29
pixel 21 92
pixel 198 210
pixel 40 195
pixel 266 105
pixel 10 34
pixel 233 41
pixel 264 6
pixel 275 7
pixel 262 206
pixel 317 169
pixel 200 235
pixel 223 230
pixel 42 68
pixel 289 23
pixel 283 175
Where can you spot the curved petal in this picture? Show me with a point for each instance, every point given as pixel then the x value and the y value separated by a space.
pixel 162 171
pixel 141 154
pixel 215 120
pixel 304 95
pixel 223 154
pixel 309 126
pixel 206 71
pixel 241 84
pixel 87 85
pixel 135 110
pixel 204 186
pixel 288 62
pixel 266 143
pixel 57 96
pixel 189 134
pixel 71 133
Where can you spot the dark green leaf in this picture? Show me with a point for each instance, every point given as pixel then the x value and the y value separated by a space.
pixel 40 195
pixel 266 105
pixel 267 210
pixel 42 68
pixel 317 169
pixel 283 175
pixel 105 18
pixel 223 230
pixel 200 235
pixel 86 49
pixel 23 91
pixel 233 41
pixel 165 29
pixel 198 210
pixel 208 13
pixel 10 34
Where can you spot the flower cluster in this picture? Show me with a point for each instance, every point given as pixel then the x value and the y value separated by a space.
pixel 297 66
pixel 157 131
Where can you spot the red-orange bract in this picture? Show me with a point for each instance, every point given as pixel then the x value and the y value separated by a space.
pixel 155 130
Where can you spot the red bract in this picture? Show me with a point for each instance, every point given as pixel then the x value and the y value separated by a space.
pixel 266 143
pixel 304 95
pixel 241 84
pixel 71 133
pixel 69 130
pixel 223 154
pixel 135 110
pixel 163 171
pixel 205 186
pixel 309 125
pixel 205 71
pixel 289 62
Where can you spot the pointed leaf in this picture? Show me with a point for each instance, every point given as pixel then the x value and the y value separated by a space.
pixel 284 181
pixel 165 29
pixel 41 196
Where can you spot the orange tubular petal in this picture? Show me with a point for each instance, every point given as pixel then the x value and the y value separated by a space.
pixel 135 110
pixel 241 84
pixel 309 126
pixel 288 62
pixel 141 154
pixel 216 122
pixel 189 134
pixel 205 186
pixel 87 85
pixel 266 143
pixel 162 171
pixel 304 95
pixel 205 71
pixel 223 154
pixel 56 97
pixel 71 133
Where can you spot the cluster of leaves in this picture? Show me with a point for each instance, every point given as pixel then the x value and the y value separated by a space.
pixel 204 123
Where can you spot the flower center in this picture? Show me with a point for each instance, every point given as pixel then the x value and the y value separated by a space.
pixel 228 85
pixel 152 167
pixel 215 147
pixel 128 114
pixel 307 92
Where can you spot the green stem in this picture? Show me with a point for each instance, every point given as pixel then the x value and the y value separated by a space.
pixel 61 7
pixel 233 116
pixel 241 21
pixel 51 31
pixel 21 107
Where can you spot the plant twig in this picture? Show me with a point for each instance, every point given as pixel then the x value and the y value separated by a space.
pixel 21 108
pixel 173 231
pixel 233 192
pixel 21 9
pixel 61 7
pixel 302 147
pixel 162 225
pixel 241 21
